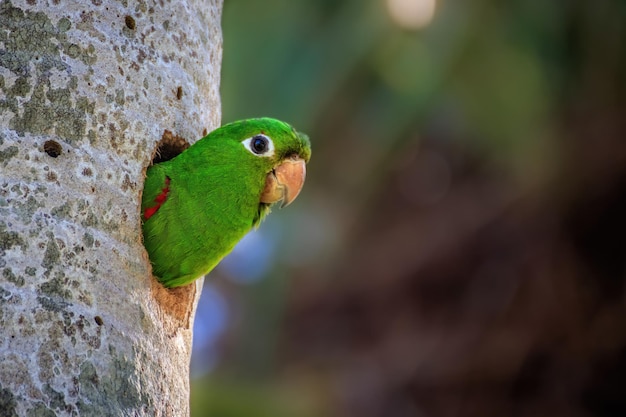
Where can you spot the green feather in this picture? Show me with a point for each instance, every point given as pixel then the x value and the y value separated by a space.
pixel 212 199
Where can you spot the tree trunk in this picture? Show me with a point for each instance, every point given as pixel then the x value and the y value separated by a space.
pixel 87 91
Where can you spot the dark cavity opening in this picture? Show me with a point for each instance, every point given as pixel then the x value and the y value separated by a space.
pixel 169 147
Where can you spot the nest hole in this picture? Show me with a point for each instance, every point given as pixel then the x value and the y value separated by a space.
pixel 169 147
pixel 175 303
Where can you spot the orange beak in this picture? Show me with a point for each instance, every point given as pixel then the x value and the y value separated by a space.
pixel 284 182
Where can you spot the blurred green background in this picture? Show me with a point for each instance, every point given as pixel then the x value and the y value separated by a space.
pixel 459 248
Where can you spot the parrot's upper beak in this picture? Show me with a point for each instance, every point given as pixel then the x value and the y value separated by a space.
pixel 285 181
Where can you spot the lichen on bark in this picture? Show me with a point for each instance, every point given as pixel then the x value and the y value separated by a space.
pixel 86 92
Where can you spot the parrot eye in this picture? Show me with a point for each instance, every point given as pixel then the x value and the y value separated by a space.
pixel 259 145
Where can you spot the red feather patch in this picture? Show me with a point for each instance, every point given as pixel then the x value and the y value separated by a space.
pixel 159 200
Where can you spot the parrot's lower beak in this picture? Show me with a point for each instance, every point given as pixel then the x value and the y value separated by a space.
pixel 284 182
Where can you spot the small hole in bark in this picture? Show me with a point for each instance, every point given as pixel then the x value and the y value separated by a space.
pixel 169 147
pixel 52 148
pixel 179 92
pixel 130 22
pixel 98 320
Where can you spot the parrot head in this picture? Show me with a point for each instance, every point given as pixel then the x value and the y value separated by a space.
pixel 273 151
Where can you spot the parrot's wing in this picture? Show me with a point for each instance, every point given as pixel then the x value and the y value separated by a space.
pixel 155 191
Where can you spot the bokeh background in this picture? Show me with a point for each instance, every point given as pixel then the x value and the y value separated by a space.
pixel 459 248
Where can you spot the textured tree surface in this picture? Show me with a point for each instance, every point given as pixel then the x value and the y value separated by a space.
pixel 87 91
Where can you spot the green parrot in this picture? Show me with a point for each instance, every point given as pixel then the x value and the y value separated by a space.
pixel 198 205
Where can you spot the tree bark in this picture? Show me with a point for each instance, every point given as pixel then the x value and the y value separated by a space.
pixel 86 92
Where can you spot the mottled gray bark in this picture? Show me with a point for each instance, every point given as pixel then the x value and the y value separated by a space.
pixel 86 91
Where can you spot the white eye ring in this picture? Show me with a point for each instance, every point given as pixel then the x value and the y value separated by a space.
pixel 259 145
